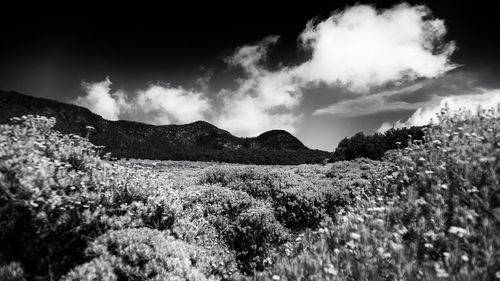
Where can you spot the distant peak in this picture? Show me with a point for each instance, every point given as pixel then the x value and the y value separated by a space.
pixel 275 132
pixel 200 122
pixel 280 139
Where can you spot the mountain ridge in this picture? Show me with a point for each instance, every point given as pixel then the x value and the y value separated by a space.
pixel 199 140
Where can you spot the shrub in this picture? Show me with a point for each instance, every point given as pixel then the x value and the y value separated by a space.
pixel 248 226
pixel 42 219
pixel 299 207
pixel 57 194
pixel 11 272
pixel 95 270
pixel 301 198
pixel 143 254
pixel 374 146
pixel 293 198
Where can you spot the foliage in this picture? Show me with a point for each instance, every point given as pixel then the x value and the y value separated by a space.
pixel 11 272
pixel 247 225
pixel 435 217
pixel 374 146
pixel 56 195
pixel 432 212
pixel 43 212
pixel 142 254
pixel 300 199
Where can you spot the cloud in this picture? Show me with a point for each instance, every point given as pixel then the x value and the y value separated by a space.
pixel 412 96
pixel 362 47
pixel 249 57
pixel 263 100
pixel 100 100
pixel 166 105
pixel 482 99
pixel 375 103
pixel 157 104
pixel 359 48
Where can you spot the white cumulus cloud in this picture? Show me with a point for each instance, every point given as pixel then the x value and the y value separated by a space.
pixel 157 104
pixel 100 100
pixel 362 47
pixel 166 105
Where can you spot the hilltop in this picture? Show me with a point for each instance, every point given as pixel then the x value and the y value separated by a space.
pixel 199 141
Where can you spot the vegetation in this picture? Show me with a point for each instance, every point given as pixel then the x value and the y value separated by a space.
pixel 374 146
pixel 430 211
pixel 435 218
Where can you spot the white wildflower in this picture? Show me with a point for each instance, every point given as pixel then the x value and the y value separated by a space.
pixel 459 231
pixel 355 236
pixel 465 258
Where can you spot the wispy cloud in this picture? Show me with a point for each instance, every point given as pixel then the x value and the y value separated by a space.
pixel 374 103
pixel 264 99
pixel 480 99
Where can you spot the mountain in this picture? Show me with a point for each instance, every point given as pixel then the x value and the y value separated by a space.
pixel 199 140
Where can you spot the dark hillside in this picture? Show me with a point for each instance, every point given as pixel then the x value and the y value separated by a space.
pixel 195 141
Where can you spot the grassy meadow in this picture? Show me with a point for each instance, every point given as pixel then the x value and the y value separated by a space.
pixel 430 211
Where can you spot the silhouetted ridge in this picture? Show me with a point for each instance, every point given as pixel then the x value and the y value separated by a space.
pixel 280 139
pixel 199 140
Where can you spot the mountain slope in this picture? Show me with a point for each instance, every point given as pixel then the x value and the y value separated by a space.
pixel 195 141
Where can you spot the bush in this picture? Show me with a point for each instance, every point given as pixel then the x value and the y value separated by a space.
pixel 42 220
pixel 301 198
pixel 143 254
pixel 11 272
pixel 248 226
pixel 374 146
pixel 95 270
pixel 57 194
pixel 294 200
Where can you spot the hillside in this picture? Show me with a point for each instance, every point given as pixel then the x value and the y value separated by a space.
pixel 195 141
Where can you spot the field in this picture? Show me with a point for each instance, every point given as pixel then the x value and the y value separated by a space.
pixel 430 211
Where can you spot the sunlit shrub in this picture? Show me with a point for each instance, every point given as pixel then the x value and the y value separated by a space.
pixel 246 224
pixel 42 219
pixel 299 207
pixel 291 197
pixel 57 194
pixel 144 254
pixel 98 269
pixel 301 198
pixel 11 272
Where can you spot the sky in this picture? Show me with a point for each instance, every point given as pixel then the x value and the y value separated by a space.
pixel 320 70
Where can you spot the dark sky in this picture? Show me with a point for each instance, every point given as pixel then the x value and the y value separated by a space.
pixel 49 50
